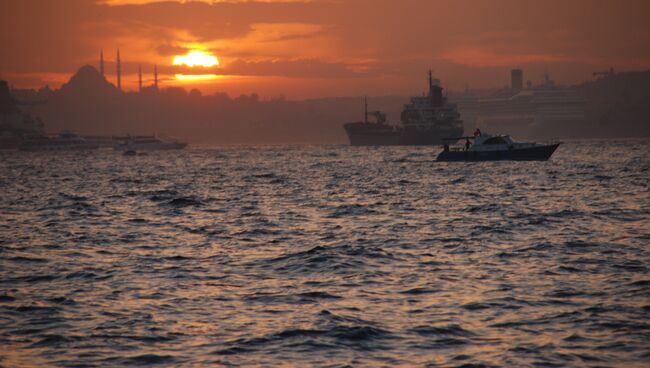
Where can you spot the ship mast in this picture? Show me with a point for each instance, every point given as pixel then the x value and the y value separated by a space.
pixel 430 83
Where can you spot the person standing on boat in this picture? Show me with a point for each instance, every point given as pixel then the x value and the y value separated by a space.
pixel 468 144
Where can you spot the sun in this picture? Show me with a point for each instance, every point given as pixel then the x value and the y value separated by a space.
pixel 195 77
pixel 196 58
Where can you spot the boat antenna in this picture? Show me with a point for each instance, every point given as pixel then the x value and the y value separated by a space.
pixel 430 83
pixel 365 112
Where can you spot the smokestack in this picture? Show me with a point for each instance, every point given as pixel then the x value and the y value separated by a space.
pixel 119 71
pixel 516 79
pixel 155 76
pixel 101 62
pixel 139 78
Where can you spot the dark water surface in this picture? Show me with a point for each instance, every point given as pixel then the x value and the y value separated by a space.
pixel 325 256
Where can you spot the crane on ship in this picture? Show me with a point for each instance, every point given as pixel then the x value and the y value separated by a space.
pixel 380 117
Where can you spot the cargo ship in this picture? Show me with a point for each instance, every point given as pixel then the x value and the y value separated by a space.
pixel 426 120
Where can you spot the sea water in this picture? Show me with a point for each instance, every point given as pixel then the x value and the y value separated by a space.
pixel 325 256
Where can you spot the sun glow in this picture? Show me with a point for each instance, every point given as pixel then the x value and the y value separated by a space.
pixel 196 58
pixel 195 77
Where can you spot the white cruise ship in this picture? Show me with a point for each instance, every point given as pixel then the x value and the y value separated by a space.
pixel 541 111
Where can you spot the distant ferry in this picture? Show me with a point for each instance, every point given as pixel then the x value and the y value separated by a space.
pixel 66 141
pixel 425 121
pixel 147 143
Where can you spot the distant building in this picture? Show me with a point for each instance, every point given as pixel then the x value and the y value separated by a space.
pixel 516 80
pixel 15 125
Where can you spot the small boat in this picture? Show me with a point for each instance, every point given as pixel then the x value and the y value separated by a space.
pixel 496 147
pixel 129 152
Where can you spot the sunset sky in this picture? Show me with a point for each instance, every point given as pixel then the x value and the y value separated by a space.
pixel 304 49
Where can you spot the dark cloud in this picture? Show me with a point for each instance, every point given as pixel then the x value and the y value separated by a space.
pixel 304 68
pixel 171 50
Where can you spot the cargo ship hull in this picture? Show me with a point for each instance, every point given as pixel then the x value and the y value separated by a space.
pixel 389 136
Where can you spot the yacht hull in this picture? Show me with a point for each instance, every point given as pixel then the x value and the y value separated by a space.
pixel 537 153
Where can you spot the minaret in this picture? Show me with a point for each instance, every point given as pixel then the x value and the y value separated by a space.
pixel 155 76
pixel 139 78
pixel 119 71
pixel 101 62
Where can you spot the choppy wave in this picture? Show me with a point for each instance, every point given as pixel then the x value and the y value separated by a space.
pixel 325 256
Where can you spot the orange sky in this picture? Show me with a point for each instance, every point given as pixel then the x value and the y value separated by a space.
pixel 304 49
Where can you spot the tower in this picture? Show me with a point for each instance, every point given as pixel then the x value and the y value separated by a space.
pixel 119 71
pixel 139 78
pixel 516 80
pixel 101 62
pixel 435 91
pixel 155 76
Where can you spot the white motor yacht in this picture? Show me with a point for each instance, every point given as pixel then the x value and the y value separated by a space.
pixel 486 147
